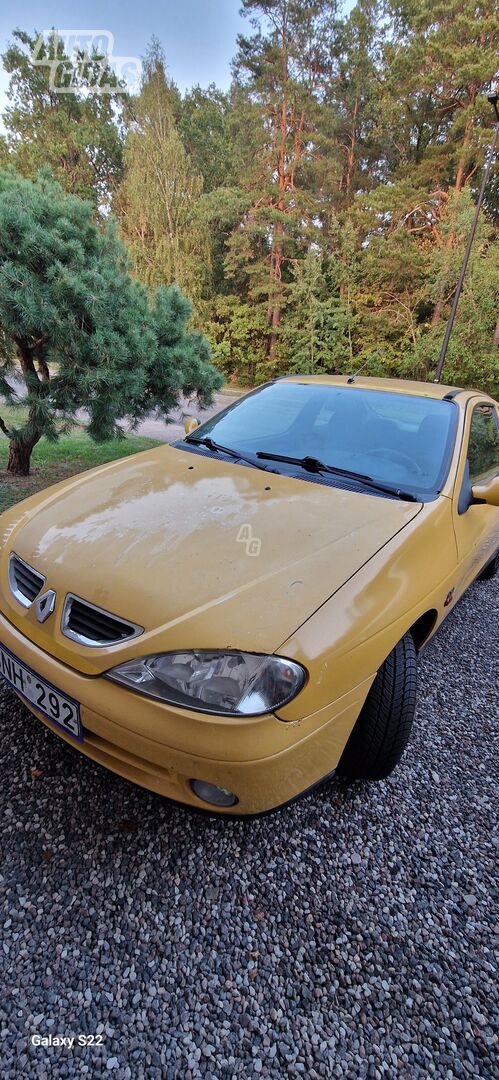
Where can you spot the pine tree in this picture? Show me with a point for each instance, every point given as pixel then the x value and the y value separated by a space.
pixel 317 214
pixel 83 332
pixel 444 56
pixel 351 103
pixel 472 358
pixel 317 325
pixel 236 330
pixel 277 75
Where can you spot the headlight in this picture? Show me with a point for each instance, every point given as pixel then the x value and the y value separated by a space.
pixel 234 683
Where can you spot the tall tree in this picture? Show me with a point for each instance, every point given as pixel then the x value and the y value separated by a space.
pixel 317 327
pixel 444 57
pixel 351 105
pixel 157 202
pixel 76 133
pixel 317 213
pixel 83 332
pixel 204 124
pixel 277 73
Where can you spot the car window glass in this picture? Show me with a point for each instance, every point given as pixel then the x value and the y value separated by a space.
pixel 266 415
pixel 409 415
pixel 483 446
pixel 395 438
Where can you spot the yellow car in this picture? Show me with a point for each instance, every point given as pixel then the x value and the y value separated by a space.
pixel 231 619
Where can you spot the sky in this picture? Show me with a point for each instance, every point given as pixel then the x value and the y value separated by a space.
pixel 198 36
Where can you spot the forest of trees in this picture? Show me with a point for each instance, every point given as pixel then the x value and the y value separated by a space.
pixel 317 213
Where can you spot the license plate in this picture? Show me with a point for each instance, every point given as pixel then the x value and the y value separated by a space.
pixel 54 706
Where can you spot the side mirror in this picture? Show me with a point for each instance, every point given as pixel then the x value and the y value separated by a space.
pixel 488 492
pixel 190 424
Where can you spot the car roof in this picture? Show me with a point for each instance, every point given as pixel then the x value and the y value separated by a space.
pixel 395 386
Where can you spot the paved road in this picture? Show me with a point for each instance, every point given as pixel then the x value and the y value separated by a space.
pixel 349 936
pixel 157 429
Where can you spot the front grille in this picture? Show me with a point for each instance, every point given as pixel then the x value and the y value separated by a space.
pixel 94 627
pixel 25 583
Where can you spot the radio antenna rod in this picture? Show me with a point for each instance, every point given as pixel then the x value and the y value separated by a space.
pixel 352 378
pixel 443 351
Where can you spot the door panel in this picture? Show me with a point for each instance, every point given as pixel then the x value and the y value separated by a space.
pixel 476 525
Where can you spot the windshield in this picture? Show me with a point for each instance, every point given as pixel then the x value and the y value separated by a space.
pixel 397 439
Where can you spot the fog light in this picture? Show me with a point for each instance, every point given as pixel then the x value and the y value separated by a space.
pixel 210 793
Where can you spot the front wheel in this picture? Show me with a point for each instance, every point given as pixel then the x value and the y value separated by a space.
pixel 382 731
pixel 489 571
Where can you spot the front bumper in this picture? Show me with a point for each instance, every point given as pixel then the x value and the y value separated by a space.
pixel 265 761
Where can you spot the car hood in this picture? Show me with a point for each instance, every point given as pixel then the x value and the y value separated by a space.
pixel 199 551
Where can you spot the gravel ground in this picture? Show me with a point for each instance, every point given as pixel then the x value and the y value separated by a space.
pixel 348 936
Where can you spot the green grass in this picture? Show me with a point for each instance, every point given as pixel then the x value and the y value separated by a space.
pixel 51 462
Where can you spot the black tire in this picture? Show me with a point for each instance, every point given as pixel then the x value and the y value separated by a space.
pixel 382 731
pixel 489 570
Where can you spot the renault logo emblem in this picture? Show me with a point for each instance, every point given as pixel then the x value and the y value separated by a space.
pixel 45 605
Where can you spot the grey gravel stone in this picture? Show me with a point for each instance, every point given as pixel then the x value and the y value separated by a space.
pixel 348 936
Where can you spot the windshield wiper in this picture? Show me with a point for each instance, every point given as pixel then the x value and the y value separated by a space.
pixel 218 448
pixel 312 464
